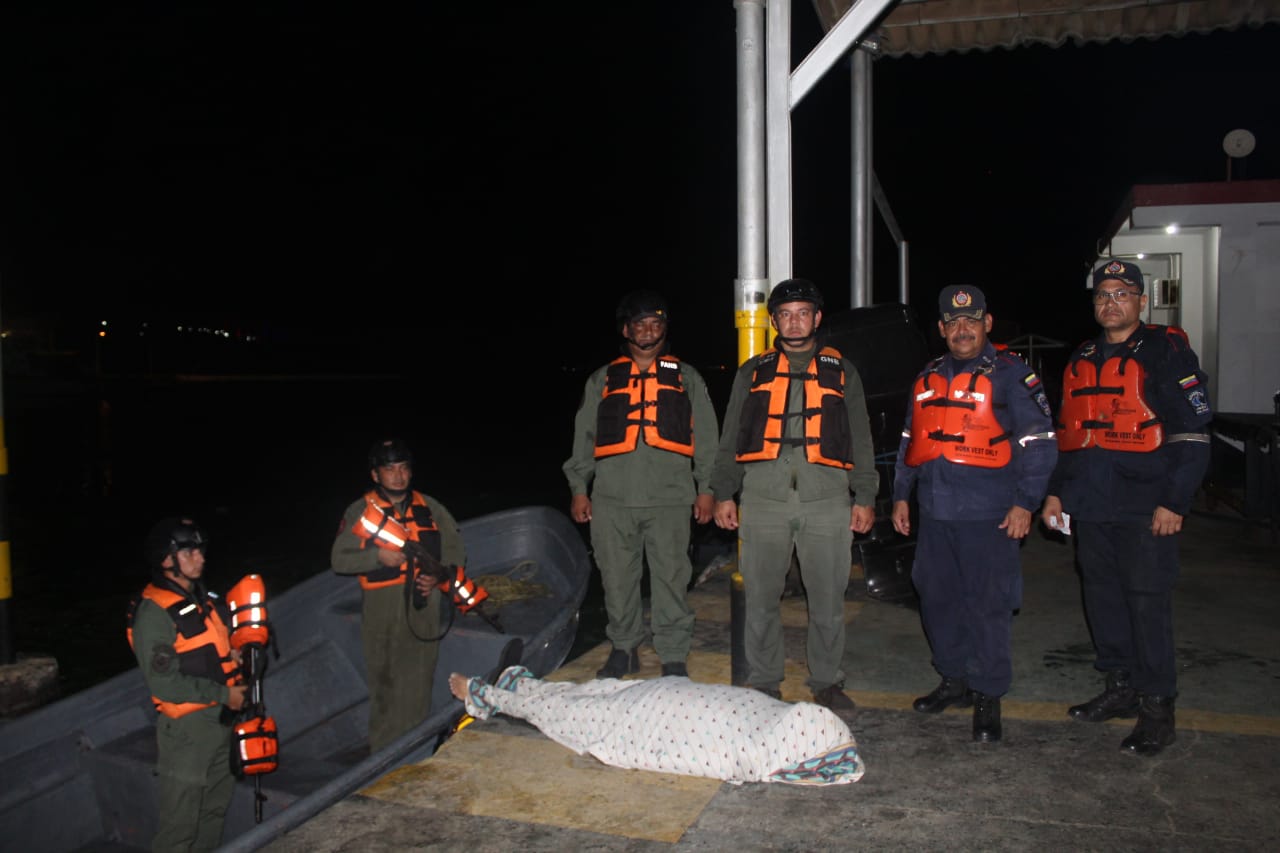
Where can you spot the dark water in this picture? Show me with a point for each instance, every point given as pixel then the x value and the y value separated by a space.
pixel 266 466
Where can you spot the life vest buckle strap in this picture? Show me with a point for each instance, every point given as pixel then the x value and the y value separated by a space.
pixel 1094 390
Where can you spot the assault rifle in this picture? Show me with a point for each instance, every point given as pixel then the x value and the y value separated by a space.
pixel 464 593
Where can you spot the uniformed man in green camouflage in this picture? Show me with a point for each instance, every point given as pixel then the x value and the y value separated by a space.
pixel 644 441
pixel 400 615
pixel 179 635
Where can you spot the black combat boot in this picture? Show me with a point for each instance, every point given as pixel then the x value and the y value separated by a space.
pixel 986 718
pixel 620 663
pixel 952 691
pixel 677 668
pixel 1118 700
pixel 1155 729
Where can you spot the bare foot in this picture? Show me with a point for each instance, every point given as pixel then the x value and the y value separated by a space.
pixel 458 685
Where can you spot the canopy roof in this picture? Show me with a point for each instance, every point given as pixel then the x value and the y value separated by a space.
pixel 921 27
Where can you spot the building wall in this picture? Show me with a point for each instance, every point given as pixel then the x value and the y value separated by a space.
pixel 1247 295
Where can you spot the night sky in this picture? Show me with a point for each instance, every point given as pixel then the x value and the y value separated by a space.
pixel 436 193
pixel 452 177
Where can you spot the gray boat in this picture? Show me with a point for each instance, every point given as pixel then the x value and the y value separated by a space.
pixel 78 773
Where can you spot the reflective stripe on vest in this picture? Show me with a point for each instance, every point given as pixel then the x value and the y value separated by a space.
pixel 202 644
pixel 957 421
pixel 384 527
pixel 827 439
pixel 655 401
pixel 1105 408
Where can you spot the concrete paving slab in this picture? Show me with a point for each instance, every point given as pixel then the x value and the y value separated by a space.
pixel 1052 783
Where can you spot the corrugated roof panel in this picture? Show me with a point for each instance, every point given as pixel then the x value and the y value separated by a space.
pixel 959 26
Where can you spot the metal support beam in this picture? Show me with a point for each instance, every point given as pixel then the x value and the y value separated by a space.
pixel 778 136
pixel 752 285
pixel 860 265
pixel 838 41
pixel 891 222
pixel 783 90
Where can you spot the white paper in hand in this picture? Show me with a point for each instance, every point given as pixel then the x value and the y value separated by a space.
pixel 1063 526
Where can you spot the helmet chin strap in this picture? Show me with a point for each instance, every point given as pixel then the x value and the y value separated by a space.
pixel 646 347
pixel 176 574
pixel 797 342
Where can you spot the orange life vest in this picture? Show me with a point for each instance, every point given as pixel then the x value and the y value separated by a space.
pixel 381 524
pixel 247 601
pixel 202 644
pixel 1105 407
pixel 827 439
pixel 655 401
pixel 957 421
pixel 255 746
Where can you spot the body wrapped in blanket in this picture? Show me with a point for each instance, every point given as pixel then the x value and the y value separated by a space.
pixel 674 725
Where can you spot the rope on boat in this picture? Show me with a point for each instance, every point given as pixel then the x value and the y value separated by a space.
pixel 513 585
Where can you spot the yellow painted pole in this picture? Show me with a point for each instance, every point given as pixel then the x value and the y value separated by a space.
pixel 755 333
pixel 753 326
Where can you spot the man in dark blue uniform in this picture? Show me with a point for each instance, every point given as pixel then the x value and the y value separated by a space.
pixel 978 449
pixel 1132 429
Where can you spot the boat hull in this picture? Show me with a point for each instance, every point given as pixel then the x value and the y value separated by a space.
pixel 79 771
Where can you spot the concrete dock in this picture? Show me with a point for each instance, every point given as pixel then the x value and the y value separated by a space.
pixel 1052 783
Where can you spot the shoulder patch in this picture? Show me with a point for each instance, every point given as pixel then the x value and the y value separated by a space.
pixel 163 658
pixel 1194 392
pixel 1033 384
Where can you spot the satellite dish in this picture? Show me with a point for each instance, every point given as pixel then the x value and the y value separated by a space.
pixel 1238 143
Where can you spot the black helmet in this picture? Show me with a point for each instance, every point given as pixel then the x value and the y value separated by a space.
pixel 388 452
pixel 169 536
pixel 639 304
pixel 795 290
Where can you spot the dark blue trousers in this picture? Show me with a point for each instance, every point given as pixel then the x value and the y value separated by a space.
pixel 969 579
pixel 1128 576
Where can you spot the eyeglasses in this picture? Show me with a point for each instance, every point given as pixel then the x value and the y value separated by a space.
pixel 1119 297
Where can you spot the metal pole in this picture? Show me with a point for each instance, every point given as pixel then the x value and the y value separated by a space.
pixel 778 136
pixel 738 669
pixel 752 286
pixel 860 266
pixel 904 272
